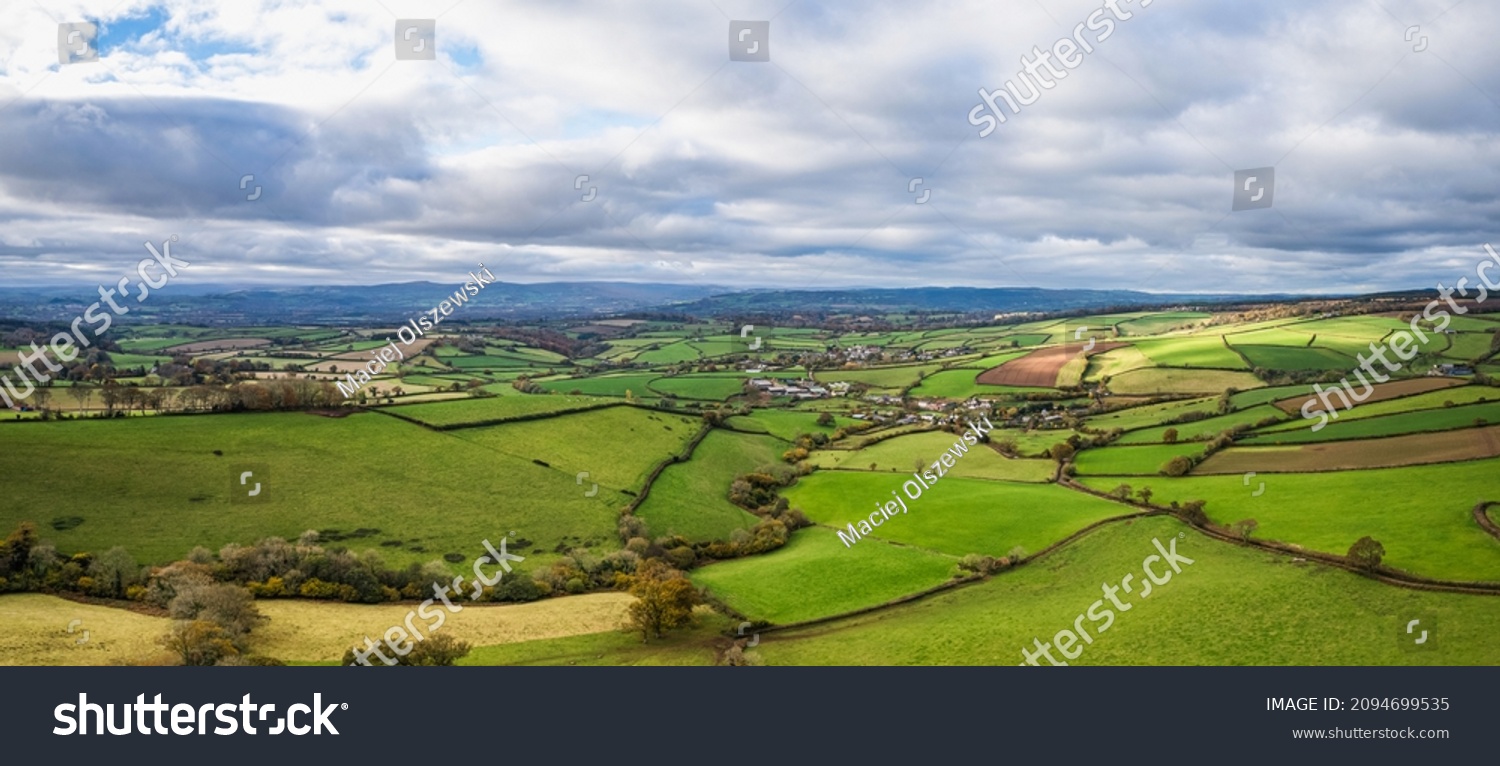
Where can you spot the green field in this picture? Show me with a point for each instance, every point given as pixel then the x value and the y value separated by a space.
pixel 879 377
pixel 957 516
pixel 1156 324
pixel 786 425
pixel 956 384
pixel 692 499
pixel 1192 351
pixel 899 455
pixel 1442 419
pixel 1204 429
pixel 815 575
pixel 1131 461
pixel 607 385
pixel 1232 606
pixel 617 446
pixel 161 490
pixel 695 387
pixel 1151 414
pixel 1429 401
pixel 1421 514
pixel 1175 381
pixel 1284 358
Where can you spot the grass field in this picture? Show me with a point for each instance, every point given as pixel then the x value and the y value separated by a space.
pixel 1192 351
pixel 607 385
pixel 1206 428
pixel 1176 381
pixel 957 516
pixel 1158 323
pixel 156 487
pixel 879 377
pixel 1151 414
pixel 1286 358
pixel 1420 514
pixel 1131 461
pixel 815 575
pixel 692 498
pixel 1395 389
pixel 1115 362
pixel 690 646
pixel 1428 401
pixel 956 384
pixel 787 425
pixel 33 627
pixel 694 387
pixel 617 446
pixel 1441 419
pixel 899 455
pixel 1232 606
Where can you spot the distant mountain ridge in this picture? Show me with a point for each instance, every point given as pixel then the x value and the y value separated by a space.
pixel 220 304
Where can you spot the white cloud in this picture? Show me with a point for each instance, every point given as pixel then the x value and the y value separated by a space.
pixel 792 173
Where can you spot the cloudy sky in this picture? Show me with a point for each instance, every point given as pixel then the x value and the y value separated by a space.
pixel 800 171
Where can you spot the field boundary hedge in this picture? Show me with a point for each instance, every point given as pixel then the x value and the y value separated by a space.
pixel 1481 515
pixel 682 457
pixel 908 598
pixel 493 421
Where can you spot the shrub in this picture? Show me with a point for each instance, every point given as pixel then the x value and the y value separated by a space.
pixel 1177 466
pixel 979 563
pixel 1366 553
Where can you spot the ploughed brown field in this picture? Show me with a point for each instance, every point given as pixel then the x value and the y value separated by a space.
pixel 208 346
pixel 1383 391
pixel 1039 368
pixel 1387 452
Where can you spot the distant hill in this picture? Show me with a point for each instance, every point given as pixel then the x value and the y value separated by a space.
pixel 955 299
pixel 220 304
pixel 344 304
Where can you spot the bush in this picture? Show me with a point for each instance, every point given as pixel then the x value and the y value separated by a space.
pixel 681 557
pixel 979 563
pixel 1366 553
pixel 1177 466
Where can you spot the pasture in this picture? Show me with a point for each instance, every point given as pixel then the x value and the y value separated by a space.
pixel 1420 514
pixel 155 485
pixel 1232 606
pixel 957 516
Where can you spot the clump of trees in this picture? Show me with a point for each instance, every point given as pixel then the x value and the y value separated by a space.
pixel 664 599
pixel 1179 465
pixel 271 568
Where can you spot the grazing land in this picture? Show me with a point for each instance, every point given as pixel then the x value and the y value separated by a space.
pixel 597 443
